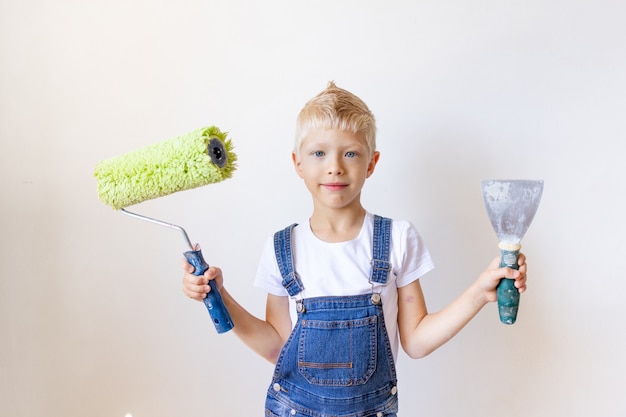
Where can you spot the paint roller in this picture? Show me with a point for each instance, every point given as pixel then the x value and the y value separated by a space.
pixel 201 157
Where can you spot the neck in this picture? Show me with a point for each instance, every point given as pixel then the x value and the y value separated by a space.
pixel 337 225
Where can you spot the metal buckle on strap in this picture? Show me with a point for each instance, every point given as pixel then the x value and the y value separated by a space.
pixel 299 299
pixel 376 296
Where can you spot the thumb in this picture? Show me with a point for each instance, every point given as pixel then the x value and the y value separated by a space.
pixel 187 267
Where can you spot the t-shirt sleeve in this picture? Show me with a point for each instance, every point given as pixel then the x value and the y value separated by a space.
pixel 268 276
pixel 414 258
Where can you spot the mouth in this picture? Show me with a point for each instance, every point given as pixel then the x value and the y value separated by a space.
pixel 334 186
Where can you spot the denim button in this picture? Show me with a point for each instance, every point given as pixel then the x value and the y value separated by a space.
pixel 379 414
pixel 292 412
pixel 276 387
pixel 376 298
pixel 394 390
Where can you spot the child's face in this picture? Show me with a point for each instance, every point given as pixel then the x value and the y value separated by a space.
pixel 334 165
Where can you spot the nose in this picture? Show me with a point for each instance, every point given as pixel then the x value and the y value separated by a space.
pixel 335 166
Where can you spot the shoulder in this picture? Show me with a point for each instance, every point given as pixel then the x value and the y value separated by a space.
pixel 400 229
pixel 408 249
pixel 284 230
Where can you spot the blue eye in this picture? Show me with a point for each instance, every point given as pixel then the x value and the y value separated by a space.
pixel 351 154
pixel 318 154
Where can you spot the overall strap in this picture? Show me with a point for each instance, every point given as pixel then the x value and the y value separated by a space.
pixel 284 257
pixel 380 250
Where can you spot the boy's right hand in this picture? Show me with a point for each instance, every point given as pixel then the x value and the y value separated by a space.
pixel 197 287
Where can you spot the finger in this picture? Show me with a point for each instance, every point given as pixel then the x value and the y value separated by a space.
pixel 212 273
pixel 520 282
pixel 192 279
pixel 188 291
pixel 511 273
pixel 197 292
pixel 494 276
pixel 194 296
pixel 187 267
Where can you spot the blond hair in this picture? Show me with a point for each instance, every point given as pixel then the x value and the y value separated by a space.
pixel 336 108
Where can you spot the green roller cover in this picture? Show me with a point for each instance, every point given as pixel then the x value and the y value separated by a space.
pixel 201 157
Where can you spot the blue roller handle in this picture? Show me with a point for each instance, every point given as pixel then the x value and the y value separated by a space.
pixel 508 294
pixel 213 301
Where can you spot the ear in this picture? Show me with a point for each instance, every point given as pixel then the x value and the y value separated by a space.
pixel 372 164
pixel 296 163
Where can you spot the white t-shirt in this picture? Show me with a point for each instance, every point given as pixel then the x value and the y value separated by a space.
pixel 343 268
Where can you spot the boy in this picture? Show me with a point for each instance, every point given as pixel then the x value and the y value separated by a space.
pixel 343 287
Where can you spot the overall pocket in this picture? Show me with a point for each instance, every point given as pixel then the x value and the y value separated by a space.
pixel 338 353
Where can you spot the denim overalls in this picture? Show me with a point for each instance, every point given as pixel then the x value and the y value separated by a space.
pixel 337 360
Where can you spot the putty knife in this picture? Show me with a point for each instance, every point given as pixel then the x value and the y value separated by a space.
pixel 511 206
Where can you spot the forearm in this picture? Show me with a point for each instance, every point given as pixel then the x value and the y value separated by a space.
pixel 432 330
pixel 421 333
pixel 259 335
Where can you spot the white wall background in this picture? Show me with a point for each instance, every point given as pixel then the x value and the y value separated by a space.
pixel 92 318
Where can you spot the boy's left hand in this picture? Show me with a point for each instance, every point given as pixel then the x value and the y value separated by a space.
pixel 490 277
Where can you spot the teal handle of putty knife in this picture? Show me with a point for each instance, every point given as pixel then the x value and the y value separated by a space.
pixel 508 294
